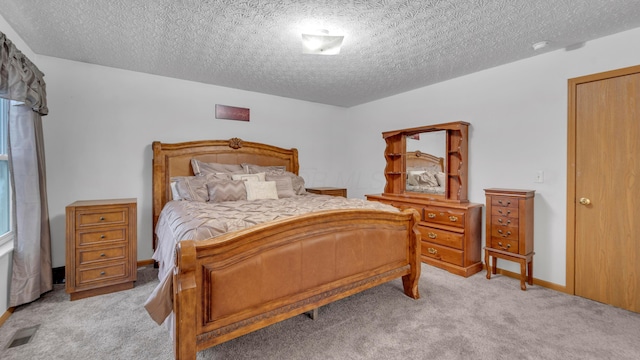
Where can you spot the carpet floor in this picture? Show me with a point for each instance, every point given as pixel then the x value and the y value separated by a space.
pixel 455 318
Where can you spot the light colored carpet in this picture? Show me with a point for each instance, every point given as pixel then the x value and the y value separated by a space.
pixel 456 318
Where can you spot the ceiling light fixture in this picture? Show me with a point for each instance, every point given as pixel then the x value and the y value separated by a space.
pixel 321 43
pixel 540 45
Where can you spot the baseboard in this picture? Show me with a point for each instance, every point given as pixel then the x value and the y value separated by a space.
pixel 543 283
pixel 142 263
pixel 6 315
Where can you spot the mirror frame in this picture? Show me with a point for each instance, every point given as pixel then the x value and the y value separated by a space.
pixel 456 161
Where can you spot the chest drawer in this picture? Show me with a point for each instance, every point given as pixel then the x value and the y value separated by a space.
pixel 109 235
pixel 102 274
pixel 506 212
pixel 505 232
pixel 442 253
pixel 102 217
pixel 451 217
pixel 509 245
pixel 442 237
pixel 93 256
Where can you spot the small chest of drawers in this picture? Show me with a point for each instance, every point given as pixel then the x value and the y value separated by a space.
pixel 509 236
pixel 101 247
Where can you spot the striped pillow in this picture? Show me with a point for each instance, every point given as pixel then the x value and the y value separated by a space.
pixel 226 190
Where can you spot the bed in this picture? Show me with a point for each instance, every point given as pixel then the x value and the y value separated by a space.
pixel 425 173
pixel 245 279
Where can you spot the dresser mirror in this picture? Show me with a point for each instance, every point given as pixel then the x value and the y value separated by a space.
pixel 425 162
pixel 428 161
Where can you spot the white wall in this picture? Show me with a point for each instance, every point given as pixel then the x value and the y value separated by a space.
pixel 518 116
pixel 102 122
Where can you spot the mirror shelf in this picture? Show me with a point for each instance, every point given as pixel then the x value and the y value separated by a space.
pixel 404 164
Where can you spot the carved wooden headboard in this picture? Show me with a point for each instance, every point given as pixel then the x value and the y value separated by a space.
pixel 418 159
pixel 171 160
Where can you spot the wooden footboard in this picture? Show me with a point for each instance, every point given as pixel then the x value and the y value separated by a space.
pixel 243 281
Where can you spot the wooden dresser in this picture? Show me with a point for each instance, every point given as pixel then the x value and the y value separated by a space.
pixel 510 231
pixel 101 247
pixel 450 225
pixel 333 191
pixel 451 232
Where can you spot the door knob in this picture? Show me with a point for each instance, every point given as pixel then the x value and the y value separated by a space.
pixel 585 201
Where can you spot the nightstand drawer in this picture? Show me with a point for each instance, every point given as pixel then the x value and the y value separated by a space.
pixel 442 237
pixel 449 217
pixel 100 255
pixel 443 253
pixel 106 273
pixel 86 218
pixel 101 236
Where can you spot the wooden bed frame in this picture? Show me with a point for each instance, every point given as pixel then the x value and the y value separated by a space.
pixel 242 281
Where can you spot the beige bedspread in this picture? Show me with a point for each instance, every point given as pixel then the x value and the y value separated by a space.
pixel 190 220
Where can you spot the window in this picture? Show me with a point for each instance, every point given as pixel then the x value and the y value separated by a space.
pixel 5 188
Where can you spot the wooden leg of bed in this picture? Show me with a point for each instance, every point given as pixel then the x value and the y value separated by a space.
pixel 313 314
pixel 410 284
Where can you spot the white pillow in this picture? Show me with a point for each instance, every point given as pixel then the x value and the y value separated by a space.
pixel 249 177
pixel 175 195
pixel 441 178
pixel 257 190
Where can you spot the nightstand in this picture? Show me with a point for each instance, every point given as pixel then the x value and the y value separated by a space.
pixel 333 191
pixel 101 247
pixel 510 231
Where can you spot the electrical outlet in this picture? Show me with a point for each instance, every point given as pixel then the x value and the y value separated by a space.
pixel 540 176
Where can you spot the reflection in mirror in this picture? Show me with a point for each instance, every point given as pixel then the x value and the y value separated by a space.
pixel 425 162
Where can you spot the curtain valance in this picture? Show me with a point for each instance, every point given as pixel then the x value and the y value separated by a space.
pixel 20 79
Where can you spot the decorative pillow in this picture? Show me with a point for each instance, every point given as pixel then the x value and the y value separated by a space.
pixel 203 168
pixel 440 178
pixel 257 190
pixel 417 178
pixel 249 177
pixel 193 188
pixel 226 190
pixel 284 185
pixel 174 191
pixel 254 169
pixel 297 182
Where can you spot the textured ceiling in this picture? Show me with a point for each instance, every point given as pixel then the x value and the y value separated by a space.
pixel 390 46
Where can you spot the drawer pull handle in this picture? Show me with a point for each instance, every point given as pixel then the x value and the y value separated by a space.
pixel 508 211
pixel 101 218
pixel 504 235
pixel 453 218
pixel 507 223
pixel 102 236
pixel 500 202
pixel 432 235
pixel 432 251
pixel 431 215
pixel 103 255
pixel 502 247
pixel 102 273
